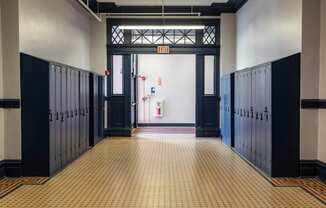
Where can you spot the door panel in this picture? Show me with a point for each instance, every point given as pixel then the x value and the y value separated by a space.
pixel 118 105
pixel 52 122
pixel 207 104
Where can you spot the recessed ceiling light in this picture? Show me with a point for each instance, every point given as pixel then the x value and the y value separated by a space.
pixel 162 27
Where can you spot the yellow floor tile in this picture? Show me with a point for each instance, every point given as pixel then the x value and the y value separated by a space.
pixel 159 171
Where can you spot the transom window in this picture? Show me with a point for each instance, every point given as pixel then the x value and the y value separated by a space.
pixel 163 36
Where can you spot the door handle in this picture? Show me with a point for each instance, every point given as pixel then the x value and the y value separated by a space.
pixel 133 104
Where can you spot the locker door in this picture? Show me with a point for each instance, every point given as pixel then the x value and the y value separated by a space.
pixel 237 120
pixel 253 116
pixel 78 112
pixel 69 117
pixel 249 129
pixel 235 111
pixel 73 115
pixel 57 118
pixel 246 124
pixel 222 108
pixel 240 113
pixel 96 110
pixel 63 116
pixel 268 119
pixel 52 122
pixel 87 109
pixel 81 106
pixel 261 129
pixel 83 145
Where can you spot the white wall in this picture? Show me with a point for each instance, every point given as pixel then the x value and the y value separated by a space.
pixel 11 74
pixel 55 30
pixel 310 77
pixel 322 85
pixel 98 46
pixel 268 30
pixel 178 89
pixel 1 95
pixel 228 43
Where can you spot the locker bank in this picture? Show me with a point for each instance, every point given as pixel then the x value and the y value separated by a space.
pixel 120 103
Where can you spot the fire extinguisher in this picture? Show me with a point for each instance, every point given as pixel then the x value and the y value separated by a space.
pixel 158 109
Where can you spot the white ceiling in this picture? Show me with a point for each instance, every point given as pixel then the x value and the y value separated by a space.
pixel 166 2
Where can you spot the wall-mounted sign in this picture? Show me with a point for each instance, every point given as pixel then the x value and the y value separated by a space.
pixel 163 49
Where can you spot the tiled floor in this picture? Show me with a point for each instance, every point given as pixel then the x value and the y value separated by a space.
pixel 160 171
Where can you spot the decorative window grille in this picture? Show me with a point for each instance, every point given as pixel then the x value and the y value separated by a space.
pixel 162 37
pixel 117 35
pixel 165 37
pixel 209 35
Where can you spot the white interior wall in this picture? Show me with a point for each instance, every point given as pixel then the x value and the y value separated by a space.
pixel 268 30
pixel 55 30
pixel 228 43
pixel 177 90
pixel 11 74
pixel 310 77
pixel 322 85
pixel 1 94
pixel 98 46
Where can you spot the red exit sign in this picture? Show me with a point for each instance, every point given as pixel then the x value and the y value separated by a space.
pixel 163 49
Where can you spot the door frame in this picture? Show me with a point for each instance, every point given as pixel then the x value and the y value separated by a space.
pixel 202 102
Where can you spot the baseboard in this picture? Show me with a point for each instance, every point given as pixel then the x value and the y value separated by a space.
pixel 10 103
pixel 2 169
pixel 208 132
pixel 166 125
pixel 313 168
pixel 118 132
pixel 10 168
pixel 313 104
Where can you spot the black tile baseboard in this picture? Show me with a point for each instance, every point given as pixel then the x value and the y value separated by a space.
pixel 10 168
pixel 313 104
pixel 10 103
pixel 313 168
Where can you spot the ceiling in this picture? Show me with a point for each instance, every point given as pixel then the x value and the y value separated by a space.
pixel 166 2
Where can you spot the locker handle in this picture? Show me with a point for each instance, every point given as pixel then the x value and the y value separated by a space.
pixel 62 116
pixel 261 117
pixel 72 114
pixel 267 117
pixel 67 114
pixel 50 116
pixel 257 116
pixel 57 116
pixel 76 113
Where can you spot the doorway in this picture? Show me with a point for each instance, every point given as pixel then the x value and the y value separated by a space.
pixel 124 47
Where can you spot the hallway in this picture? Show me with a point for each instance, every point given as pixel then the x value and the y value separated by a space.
pixel 159 171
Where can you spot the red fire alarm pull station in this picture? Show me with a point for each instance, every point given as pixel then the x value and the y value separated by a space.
pixel 163 49
pixel 106 72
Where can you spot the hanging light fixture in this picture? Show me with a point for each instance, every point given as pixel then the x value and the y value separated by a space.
pixel 162 27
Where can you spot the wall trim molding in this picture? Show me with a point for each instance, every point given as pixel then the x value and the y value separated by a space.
pixel 313 104
pixel 313 168
pixel 166 125
pixel 10 168
pixel 10 103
